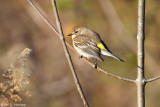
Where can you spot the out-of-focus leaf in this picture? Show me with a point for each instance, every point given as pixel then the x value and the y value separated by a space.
pixel 64 4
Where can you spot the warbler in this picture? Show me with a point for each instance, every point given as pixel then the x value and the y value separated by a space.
pixel 89 44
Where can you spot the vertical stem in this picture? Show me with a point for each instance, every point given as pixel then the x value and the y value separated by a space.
pixel 140 52
pixel 78 85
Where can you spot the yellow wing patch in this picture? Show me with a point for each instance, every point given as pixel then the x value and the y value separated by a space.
pixel 101 46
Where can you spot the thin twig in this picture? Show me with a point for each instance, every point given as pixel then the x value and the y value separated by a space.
pixel 43 16
pixel 110 74
pixel 78 85
pixel 46 20
pixel 98 68
pixel 152 79
pixel 140 54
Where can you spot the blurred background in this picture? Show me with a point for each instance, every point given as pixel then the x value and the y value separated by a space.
pixel 51 82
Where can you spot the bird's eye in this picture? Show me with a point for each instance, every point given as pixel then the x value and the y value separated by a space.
pixel 76 31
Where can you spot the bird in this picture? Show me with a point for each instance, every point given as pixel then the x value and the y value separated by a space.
pixel 89 44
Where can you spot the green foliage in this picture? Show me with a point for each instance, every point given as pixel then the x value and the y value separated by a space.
pixel 64 4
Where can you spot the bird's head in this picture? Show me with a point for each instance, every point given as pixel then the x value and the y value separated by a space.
pixel 77 30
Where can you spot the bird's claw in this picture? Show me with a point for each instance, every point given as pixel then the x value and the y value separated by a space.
pixel 81 56
pixel 95 65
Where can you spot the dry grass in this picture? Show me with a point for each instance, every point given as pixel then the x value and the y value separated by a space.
pixel 15 80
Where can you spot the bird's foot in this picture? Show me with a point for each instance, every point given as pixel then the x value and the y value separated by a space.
pixel 81 56
pixel 95 66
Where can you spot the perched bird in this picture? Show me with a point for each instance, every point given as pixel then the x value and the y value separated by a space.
pixel 89 44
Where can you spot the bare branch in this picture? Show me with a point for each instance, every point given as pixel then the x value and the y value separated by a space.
pixel 110 74
pixel 98 68
pixel 78 85
pixel 152 79
pixel 140 54
pixel 116 76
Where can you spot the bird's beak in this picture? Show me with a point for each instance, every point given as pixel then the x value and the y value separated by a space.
pixel 70 34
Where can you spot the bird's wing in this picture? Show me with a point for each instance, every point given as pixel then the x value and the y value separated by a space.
pixel 87 45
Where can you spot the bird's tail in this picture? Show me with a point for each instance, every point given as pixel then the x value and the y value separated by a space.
pixel 107 53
